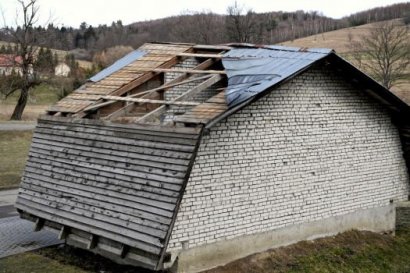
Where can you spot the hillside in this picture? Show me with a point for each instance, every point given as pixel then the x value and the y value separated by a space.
pixel 61 54
pixel 340 40
pixel 239 25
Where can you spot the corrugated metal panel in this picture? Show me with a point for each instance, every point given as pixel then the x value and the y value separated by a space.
pixel 124 61
pixel 253 70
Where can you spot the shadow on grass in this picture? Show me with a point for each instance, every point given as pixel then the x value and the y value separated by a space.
pixel 63 259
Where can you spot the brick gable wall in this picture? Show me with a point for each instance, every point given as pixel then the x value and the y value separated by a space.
pixel 313 148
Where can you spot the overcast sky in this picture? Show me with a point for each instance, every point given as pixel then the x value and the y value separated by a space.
pixel 95 12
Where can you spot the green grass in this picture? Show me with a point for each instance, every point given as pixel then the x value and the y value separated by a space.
pixel 62 260
pixel 43 94
pixel 389 256
pixel 35 263
pixel 353 251
pixel 14 147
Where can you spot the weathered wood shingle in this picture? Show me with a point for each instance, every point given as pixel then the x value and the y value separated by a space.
pixel 118 182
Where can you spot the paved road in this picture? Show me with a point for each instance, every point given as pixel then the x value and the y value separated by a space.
pixel 17 235
pixel 7 200
pixel 17 125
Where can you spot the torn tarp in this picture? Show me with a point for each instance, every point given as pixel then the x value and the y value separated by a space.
pixel 253 70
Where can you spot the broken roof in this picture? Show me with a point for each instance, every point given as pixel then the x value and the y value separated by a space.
pixel 253 70
pixel 249 71
pixel 115 188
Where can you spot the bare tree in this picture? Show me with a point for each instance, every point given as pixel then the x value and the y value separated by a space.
pixel 240 24
pixel 384 53
pixel 25 37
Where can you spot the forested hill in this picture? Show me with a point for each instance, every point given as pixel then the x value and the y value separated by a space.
pixel 239 25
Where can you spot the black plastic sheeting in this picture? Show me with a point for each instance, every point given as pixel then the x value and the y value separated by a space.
pixel 250 71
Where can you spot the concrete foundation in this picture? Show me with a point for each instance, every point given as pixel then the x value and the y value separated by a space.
pixel 403 216
pixel 212 255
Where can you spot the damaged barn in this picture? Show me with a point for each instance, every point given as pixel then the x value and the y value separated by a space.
pixel 189 156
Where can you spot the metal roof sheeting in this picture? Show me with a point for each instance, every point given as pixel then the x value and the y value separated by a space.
pixel 124 61
pixel 253 70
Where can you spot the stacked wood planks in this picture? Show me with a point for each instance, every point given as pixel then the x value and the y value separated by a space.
pixel 118 183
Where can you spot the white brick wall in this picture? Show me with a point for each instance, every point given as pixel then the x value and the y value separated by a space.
pixel 311 149
pixel 177 91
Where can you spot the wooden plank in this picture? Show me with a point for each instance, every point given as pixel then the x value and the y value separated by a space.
pixel 99 207
pixel 135 83
pixel 137 189
pixel 146 127
pixel 83 223
pixel 85 172
pixel 199 55
pixel 142 160
pixel 45 186
pixel 170 177
pixel 95 214
pixel 113 253
pixel 44 154
pixel 212 47
pixel 39 224
pixel 137 152
pixel 112 170
pixel 124 206
pixel 93 242
pixel 124 251
pixel 96 153
pixel 158 207
pixel 190 71
pixel 141 100
pixel 202 86
pixel 124 110
pixel 63 234
pixel 192 120
pixel 146 77
pixel 79 136
pixel 71 175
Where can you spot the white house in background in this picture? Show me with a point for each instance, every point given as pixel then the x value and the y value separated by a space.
pixel 62 69
pixel 10 63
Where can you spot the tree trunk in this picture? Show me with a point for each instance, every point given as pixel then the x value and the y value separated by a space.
pixel 21 104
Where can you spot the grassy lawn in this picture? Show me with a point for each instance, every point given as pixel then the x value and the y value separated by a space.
pixel 62 260
pixel 14 146
pixel 352 251
pixel 43 94
pixel 39 100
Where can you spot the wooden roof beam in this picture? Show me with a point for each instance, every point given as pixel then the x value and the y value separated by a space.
pixel 128 107
pixel 200 55
pixel 204 85
pixel 179 103
pixel 190 71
